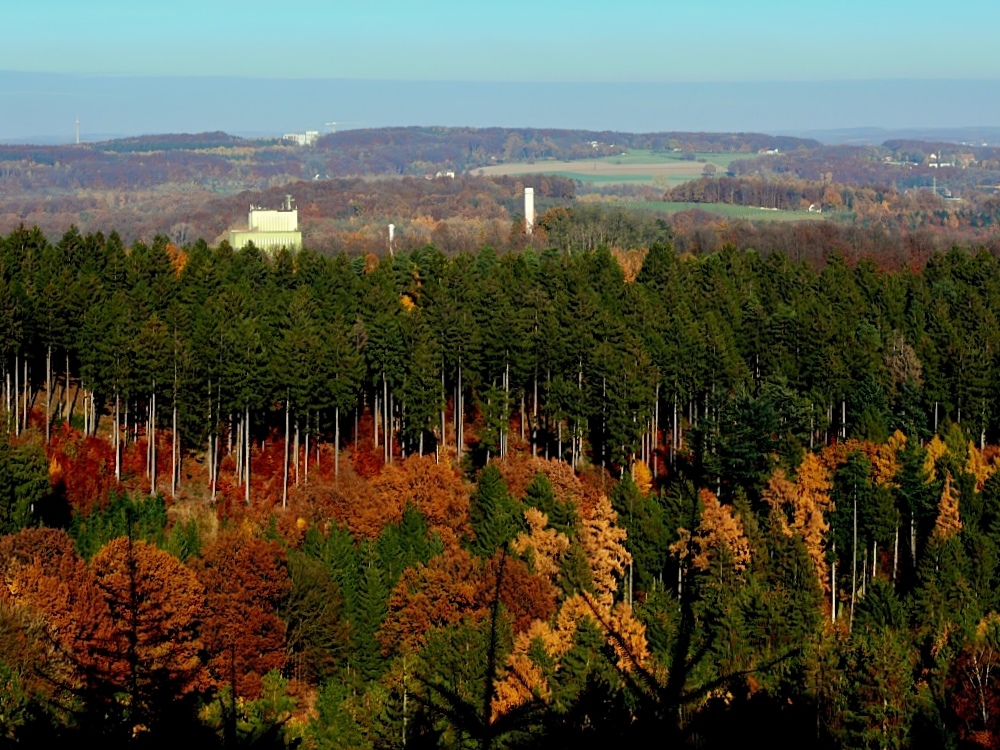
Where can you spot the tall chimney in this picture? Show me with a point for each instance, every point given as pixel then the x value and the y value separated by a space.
pixel 529 210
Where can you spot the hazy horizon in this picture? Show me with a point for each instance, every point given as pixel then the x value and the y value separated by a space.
pixel 42 107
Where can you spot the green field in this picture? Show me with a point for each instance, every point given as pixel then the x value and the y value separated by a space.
pixel 639 166
pixel 727 210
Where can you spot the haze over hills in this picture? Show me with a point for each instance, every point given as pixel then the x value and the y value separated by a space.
pixel 42 107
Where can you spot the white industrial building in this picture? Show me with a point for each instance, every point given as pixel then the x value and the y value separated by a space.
pixel 270 229
pixel 307 138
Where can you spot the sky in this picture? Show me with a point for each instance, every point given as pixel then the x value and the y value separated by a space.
pixel 76 55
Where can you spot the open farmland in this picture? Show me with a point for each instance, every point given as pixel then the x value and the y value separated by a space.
pixel 726 210
pixel 636 166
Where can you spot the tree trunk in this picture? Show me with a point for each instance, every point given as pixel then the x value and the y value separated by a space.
pixel 284 483
pixel 68 410
pixel 152 443
pixel 173 451
pixel 336 445
pixel 17 394
pixel 118 439
pixel 854 562
pixel 48 391
pixel 296 450
pixel 27 395
pixel 246 437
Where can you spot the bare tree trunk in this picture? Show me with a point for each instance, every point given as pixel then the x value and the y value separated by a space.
pixel 296 450
pixel 284 483
pixel 17 394
pixel 27 395
pixel 246 486
pixel 336 444
pixel 48 392
pixel 68 410
pixel 152 443
pixel 854 561
pixel 118 438
pixel 173 451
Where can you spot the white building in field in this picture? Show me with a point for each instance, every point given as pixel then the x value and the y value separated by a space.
pixel 270 229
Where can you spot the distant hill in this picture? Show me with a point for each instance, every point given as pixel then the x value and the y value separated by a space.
pixel 978 136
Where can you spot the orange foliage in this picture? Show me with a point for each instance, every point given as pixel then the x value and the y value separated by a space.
pixel 76 643
pixel 979 466
pixel 885 461
pixel 434 488
pixel 520 469
pixel 157 605
pixel 643 477
pixel 522 680
pixel 178 259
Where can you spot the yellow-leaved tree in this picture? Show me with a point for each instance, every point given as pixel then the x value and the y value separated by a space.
pixel 802 507
pixel 936 449
pixel 522 679
pixel 978 466
pixel 949 522
pixel 720 539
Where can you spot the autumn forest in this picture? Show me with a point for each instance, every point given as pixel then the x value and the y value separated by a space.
pixel 512 498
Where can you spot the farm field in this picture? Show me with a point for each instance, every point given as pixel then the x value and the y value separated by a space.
pixel 727 210
pixel 637 166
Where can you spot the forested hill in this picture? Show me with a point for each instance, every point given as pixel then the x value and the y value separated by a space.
pixel 527 499
pixel 395 150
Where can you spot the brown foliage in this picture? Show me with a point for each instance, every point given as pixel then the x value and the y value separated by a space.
pixel 157 606
pixel 352 502
pixel 245 578
pixel 524 596
pixel 60 613
pixel 439 593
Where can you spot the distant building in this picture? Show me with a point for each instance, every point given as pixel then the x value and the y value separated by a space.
pixel 270 229
pixel 307 138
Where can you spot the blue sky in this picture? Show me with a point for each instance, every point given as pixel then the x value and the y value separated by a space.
pixel 516 40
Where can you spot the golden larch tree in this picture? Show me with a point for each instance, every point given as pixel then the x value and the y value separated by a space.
pixel 949 522
pixel 720 536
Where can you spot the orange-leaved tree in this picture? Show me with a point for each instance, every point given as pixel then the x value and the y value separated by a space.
pixel 245 580
pixel 157 606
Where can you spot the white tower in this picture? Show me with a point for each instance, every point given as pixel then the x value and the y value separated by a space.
pixel 77 130
pixel 392 234
pixel 529 210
